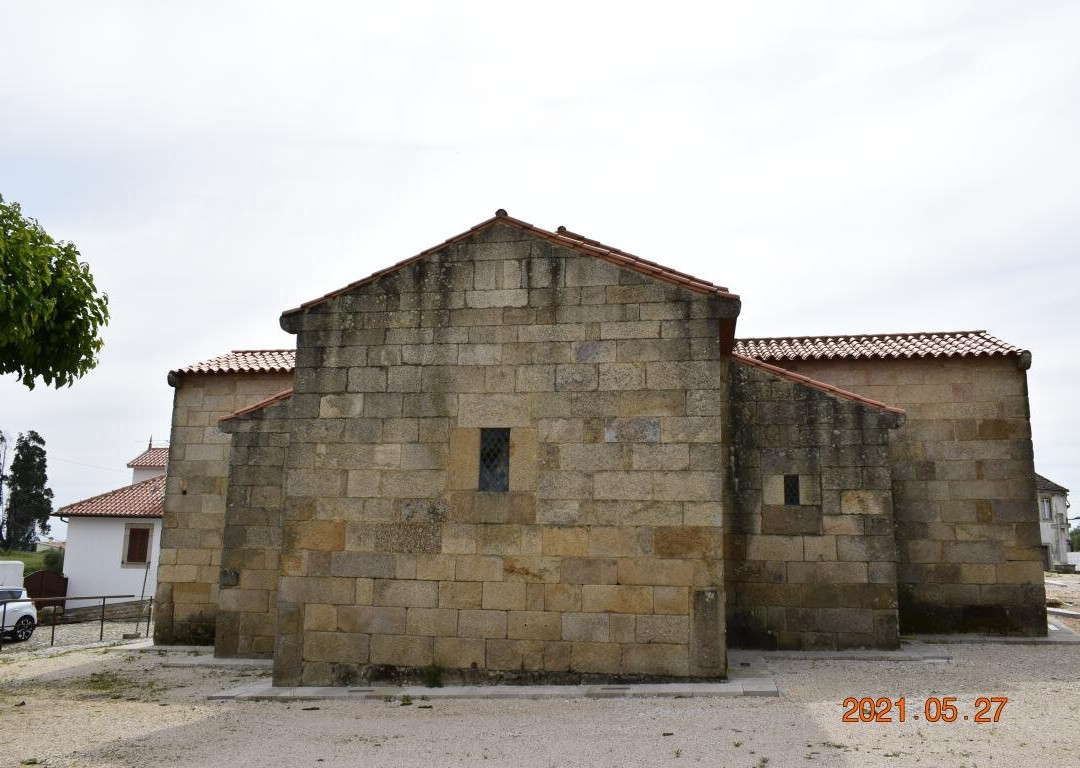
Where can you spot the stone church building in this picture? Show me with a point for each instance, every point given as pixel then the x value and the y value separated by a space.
pixel 528 454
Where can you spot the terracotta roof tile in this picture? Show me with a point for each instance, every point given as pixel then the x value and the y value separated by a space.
pixel 1044 484
pixel 245 361
pixel 151 458
pixel 143 499
pixel 885 346
pixel 815 384
pixel 562 237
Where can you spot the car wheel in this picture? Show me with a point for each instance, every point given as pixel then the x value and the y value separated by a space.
pixel 24 627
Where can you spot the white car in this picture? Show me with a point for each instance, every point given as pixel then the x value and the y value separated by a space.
pixel 20 617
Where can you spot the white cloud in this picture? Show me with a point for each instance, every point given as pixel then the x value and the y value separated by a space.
pixel 846 167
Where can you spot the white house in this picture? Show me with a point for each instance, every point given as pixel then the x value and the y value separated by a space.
pixel 113 539
pixel 1053 521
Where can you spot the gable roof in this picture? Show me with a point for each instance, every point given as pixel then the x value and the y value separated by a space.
pixel 562 237
pixel 1049 486
pixel 245 361
pixel 145 499
pixel 151 458
pixel 882 346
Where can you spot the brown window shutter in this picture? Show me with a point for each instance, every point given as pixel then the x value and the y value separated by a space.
pixel 138 545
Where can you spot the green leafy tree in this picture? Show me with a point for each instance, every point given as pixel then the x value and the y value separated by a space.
pixel 51 313
pixel 29 500
pixel 1074 537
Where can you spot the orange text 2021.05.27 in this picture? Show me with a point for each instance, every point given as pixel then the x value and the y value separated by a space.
pixel 935 709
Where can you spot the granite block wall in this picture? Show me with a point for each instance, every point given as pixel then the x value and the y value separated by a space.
pixel 605 554
pixel 810 554
pixel 185 605
pixel 963 487
pixel 251 553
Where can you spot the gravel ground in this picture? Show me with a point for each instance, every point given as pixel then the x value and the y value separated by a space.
pixel 98 708
pixel 72 634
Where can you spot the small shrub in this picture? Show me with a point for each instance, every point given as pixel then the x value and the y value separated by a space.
pixel 54 560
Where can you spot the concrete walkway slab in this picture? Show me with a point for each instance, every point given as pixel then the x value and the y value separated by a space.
pixel 147 646
pixel 1058 634
pixel 1063 612
pixel 210 662
pixel 736 685
pixel 914 653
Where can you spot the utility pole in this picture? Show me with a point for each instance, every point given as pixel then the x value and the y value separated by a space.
pixel 3 477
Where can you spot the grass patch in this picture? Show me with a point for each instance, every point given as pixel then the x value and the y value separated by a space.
pixel 34 561
pixel 121 686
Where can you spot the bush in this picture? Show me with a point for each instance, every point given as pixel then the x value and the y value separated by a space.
pixel 54 560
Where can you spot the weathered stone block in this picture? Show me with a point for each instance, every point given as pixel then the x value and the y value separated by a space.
pixel 486 624
pixel 372 620
pixel 402 650
pixel 533 625
pixel 616 598
pixel 671 600
pixel 335 646
pixel 572 541
pixel 406 593
pixel 439 622
pixel 597 658
pixel 479 568
pixel 653 571
pixel 586 627
pixel 655 659
pixel 504 596
pixel 460 594
pixel 459 652
pixel 663 629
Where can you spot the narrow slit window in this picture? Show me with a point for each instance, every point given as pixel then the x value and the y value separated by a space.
pixel 791 490
pixel 495 459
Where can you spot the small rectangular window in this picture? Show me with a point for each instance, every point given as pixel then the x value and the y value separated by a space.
pixel 495 459
pixel 791 490
pixel 138 545
pixel 1046 508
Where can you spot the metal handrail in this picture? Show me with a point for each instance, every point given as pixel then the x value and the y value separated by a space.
pixel 52 639
pixel 54 599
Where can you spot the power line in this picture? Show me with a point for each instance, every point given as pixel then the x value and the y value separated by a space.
pixel 83 464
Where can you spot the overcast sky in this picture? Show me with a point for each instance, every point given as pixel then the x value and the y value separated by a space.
pixel 846 167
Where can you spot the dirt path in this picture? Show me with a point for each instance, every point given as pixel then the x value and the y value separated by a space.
pixel 93 709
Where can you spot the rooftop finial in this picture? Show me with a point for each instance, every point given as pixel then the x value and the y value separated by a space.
pixel 561 229
pixel 501 213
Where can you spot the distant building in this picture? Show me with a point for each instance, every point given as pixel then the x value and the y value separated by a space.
pixel 1053 521
pixel 113 538
pixel 149 463
pixel 49 544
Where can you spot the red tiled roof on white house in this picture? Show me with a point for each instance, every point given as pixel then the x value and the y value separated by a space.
pixel 151 458
pixel 143 499
pixel 882 346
